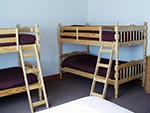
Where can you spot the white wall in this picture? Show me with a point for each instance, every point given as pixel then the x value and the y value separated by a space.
pixel 47 13
pixel 122 11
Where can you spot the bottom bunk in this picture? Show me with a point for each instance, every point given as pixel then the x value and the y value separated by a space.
pixel 12 81
pixel 84 65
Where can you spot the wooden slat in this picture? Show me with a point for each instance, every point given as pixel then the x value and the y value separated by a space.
pixel 8 40
pixel 106 50
pixel 130 28
pixel 103 65
pixel 16 90
pixel 11 91
pixel 84 74
pixel 89 28
pixel 34 70
pixel 99 79
pixel 91 35
pixel 38 103
pixel 8 31
pixel 131 43
pixel 28 47
pixel 67 28
pixel 131 63
pixel 68 34
pixel 85 42
pixel 35 86
pixel 96 94
pixel 29 54
pixel 8 49
pixel 85 28
pixel 124 73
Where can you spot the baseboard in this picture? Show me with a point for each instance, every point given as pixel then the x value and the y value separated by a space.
pixel 51 77
pixel 137 82
pixel 55 76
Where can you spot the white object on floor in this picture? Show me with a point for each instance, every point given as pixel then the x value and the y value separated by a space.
pixel 90 104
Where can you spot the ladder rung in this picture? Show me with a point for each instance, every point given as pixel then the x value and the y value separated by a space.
pixel 103 65
pixel 106 50
pixel 99 79
pixel 35 86
pixel 96 94
pixel 29 54
pixel 28 47
pixel 34 70
pixel 38 103
pixel 107 44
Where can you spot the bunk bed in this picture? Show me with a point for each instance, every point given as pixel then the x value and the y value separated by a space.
pixel 26 76
pixel 83 63
pixel 11 78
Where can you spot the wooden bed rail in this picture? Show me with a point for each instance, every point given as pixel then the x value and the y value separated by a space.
pixel 122 35
pixel 87 34
pixel 9 35
pixel 73 53
pixel 131 34
pixel 130 69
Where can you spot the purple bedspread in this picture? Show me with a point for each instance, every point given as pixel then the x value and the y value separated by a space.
pixel 13 77
pixel 87 63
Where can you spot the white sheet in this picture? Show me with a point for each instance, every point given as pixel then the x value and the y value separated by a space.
pixel 90 104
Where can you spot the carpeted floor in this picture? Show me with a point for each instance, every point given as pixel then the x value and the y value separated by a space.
pixel 131 95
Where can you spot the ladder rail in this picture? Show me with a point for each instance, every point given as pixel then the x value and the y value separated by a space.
pixel 41 77
pixel 36 70
pixel 25 78
pixel 98 65
pixel 96 71
pixel 108 71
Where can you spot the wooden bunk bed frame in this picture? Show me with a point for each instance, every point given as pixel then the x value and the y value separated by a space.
pixel 15 48
pixel 127 35
pixel 25 42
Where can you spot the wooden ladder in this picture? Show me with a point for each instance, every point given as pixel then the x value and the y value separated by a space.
pixel 27 51
pixel 105 48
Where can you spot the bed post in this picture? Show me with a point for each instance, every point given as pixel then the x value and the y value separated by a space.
pixel 144 54
pixel 37 35
pixel 19 61
pixel 87 47
pixel 116 86
pixel 60 51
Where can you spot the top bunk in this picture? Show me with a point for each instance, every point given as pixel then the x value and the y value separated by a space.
pixel 11 38
pixel 126 35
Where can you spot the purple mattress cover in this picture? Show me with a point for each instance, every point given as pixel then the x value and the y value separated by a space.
pixel 13 77
pixel 23 39
pixel 87 63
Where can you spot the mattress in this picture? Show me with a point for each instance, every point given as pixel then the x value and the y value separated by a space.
pixel 90 104
pixel 23 39
pixel 87 63
pixel 13 77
